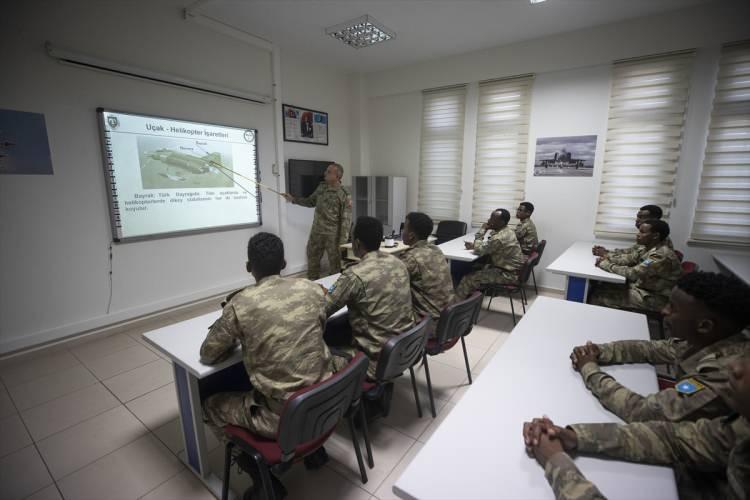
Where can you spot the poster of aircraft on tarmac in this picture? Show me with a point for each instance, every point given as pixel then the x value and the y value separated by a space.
pixel 565 156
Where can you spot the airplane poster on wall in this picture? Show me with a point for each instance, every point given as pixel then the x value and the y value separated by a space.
pixel 565 156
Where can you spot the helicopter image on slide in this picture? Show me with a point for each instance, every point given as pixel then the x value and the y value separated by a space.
pixel 191 163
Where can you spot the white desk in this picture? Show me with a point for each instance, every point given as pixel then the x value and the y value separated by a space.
pixel 181 342
pixel 456 250
pixel 738 265
pixel 478 452
pixel 577 263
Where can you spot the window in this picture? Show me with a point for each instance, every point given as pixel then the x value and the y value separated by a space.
pixel 647 109
pixel 722 212
pixel 502 145
pixel 441 155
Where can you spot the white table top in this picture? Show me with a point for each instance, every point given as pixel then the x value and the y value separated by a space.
pixel 578 261
pixel 478 451
pixel 455 249
pixel 181 342
pixel 739 265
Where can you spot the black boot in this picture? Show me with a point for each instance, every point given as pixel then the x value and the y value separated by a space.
pixel 317 459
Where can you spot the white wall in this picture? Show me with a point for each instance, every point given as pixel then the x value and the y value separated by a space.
pixel 54 230
pixel 570 97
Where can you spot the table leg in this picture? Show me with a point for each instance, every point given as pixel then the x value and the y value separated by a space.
pixel 191 422
pixel 576 288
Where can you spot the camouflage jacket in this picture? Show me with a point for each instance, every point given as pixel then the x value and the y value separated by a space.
pixel 709 367
pixel 652 272
pixel 631 252
pixel 430 278
pixel 711 457
pixel 502 247
pixel 333 211
pixel 376 291
pixel 279 324
pixel 526 235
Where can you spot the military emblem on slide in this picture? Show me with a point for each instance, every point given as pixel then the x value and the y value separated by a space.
pixel 113 122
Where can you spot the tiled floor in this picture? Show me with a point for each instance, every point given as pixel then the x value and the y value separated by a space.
pixel 98 420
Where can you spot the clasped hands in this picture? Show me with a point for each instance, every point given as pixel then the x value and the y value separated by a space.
pixel 543 439
pixel 583 354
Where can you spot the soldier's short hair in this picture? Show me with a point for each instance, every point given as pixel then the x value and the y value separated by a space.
pixel 265 252
pixel 653 210
pixel 658 226
pixel 339 169
pixel 421 224
pixel 528 206
pixel 369 231
pixel 727 296
pixel 504 214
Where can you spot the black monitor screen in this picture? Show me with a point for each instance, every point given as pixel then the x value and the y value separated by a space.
pixel 303 176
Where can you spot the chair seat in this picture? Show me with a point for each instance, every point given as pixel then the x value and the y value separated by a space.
pixel 434 348
pixel 367 385
pixel 269 448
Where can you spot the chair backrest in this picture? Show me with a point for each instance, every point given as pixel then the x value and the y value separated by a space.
pixel 313 411
pixel 458 319
pixel 402 351
pixel 449 230
pixel 688 266
pixel 525 272
pixel 540 248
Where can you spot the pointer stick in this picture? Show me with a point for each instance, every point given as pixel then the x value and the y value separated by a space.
pixel 216 163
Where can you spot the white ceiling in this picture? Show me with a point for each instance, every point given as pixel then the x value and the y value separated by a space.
pixel 425 29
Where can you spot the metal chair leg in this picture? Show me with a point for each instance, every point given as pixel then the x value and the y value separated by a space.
pixel 416 393
pixel 523 300
pixel 227 469
pixel 265 478
pixel 533 277
pixel 492 296
pixel 512 310
pixel 357 451
pixel 429 385
pixel 366 435
pixel 466 359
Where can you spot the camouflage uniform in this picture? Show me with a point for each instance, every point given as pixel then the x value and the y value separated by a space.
pixel 279 324
pixel 505 261
pixel 376 291
pixel 634 250
pixel 709 367
pixel 651 276
pixel 711 457
pixel 430 278
pixel 330 227
pixel 526 235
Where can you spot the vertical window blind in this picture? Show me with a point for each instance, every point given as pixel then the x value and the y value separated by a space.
pixel 722 212
pixel 441 153
pixel 647 109
pixel 502 145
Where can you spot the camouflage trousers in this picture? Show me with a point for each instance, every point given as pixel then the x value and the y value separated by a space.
pixel 481 278
pixel 316 246
pixel 243 409
pixel 625 297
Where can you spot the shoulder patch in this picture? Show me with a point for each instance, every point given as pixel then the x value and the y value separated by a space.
pixel 648 262
pixel 689 386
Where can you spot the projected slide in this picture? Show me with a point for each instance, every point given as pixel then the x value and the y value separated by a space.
pixel 167 177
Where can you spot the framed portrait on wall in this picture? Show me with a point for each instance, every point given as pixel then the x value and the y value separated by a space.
pixel 305 125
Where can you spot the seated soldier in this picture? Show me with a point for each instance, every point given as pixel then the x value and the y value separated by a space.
pixel 650 274
pixel 503 250
pixel 376 292
pixel 429 274
pixel 705 317
pixel 279 324
pixel 525 229
pixel 710 457
pixel 646 212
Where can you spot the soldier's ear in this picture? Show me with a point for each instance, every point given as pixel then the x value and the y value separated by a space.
pixel 283 264
pixel 706 326
pixel 248 267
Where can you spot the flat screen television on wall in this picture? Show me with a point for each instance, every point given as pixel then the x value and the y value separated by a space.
pixel 303 176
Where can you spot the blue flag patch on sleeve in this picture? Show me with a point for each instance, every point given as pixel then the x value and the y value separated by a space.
pixel 689 386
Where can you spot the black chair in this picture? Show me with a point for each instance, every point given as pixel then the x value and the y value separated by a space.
pixel 509 289
pixel 449 230
pixel 540 250
pixel 308 419
pixel 456 322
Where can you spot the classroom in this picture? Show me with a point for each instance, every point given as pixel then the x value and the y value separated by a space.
pixel 143 143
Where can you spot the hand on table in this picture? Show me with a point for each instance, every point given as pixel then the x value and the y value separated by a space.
pixel 469 245
pixel 599 261
pixel 543 439
pixel 599 251
pixel 288 197
pixel 583 354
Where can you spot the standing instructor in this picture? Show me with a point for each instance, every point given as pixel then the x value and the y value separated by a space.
pixel 331 223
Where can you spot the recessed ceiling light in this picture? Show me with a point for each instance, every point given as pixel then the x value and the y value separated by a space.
pixel 361 32
pixel 532 2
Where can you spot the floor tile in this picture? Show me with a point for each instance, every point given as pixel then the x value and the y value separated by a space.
pixel 321 484
pixel 445 380
pixel 436 422
pixel 239 482
pixel 403 416
pixel 82 444
pixel 183 486
pixel 13 435
pixel 157 407
pixel 49 493
pixel 134 383
pixel 26 368
pixel 455 356
pixel 171 435
pixel 119 362
pixel 23 473
pixel 385 491
pixel 101 347
pixel 51 387
pixel 132 471
pixel 7 408
pixel 61 413
pixel 388 448
pixel 481 337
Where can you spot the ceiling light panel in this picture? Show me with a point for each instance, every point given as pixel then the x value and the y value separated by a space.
pixel 361 32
